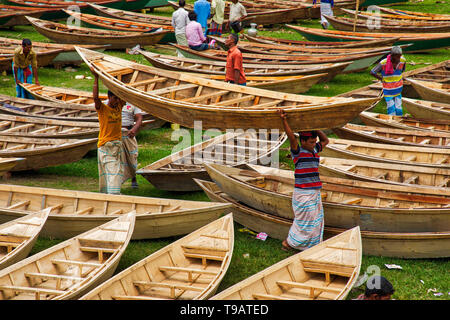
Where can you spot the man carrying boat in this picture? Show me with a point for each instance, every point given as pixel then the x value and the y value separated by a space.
pixel 180 20
pixel 25 67
pixel 110 168
pixel 307 228
pixel 391 70
pixel 326 8
pixel 234 67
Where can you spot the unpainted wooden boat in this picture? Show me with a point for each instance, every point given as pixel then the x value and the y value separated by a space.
pixel 393 18
pixel 432 91
pixel 177 171
pixel 61 33
pixel 326 271
pixel 42 152
pixel 388 153
pixel 70 268
pixel 407 14
pixel 17 237
pixel 6 164
pixel 404 122
pixel 219 67
pixel 346 202
pixel 74 212
pixel 190 268
pixel 388 244
pixel 11 125
pixel 43 56
pixel 180 98
pixel 386 173
pixel 418 138
pixel 423 109
pixel 11 16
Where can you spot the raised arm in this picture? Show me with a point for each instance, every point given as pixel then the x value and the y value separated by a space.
pixel 97 101
pixel 291 136
pixel 323 138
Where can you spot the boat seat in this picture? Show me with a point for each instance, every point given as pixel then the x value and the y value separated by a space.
pixel 36 291
pixel 100 251
pixel 135 298
pixel 85 210
pixel 9 245
pixel 25 204
pixel 86 242
pixel 204 257
pixel 77 263
pixel 352 201
pixel 57 277
pixel 189 271
pixel 262 296
pixel 144 285
pixel 312 288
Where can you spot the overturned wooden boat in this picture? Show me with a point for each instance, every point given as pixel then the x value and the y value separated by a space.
pixel 74 212
pixel 177 171
pixel 385 172
pixel 218 67
pixel 61 33
pixel 418 138
pixel 19 236
pixel 432 91
pixel 423 109
pixel 71 268
pixel 326 271
pixel 388 153
pixel 405 122
pixel 190 268
pixel 388 244
pixel 180 98
pixel 345 201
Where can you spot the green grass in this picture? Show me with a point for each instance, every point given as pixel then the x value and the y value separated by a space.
pixel 250 255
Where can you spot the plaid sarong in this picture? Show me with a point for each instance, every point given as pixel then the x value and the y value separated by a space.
pixel 110 168
pixel 129 156
pixel 307 228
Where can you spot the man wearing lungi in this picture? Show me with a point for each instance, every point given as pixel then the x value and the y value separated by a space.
pixel 131 122
pixel 326 7
pixel 110 168
pixel 24 67
pixel 307 228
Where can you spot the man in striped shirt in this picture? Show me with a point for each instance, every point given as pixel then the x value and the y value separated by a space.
pixel 307 228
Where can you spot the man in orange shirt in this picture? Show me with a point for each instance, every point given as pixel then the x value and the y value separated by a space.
pixel 234 68
pixel 110 168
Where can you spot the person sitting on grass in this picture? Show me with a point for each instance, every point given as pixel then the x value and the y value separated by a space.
pixel 194 34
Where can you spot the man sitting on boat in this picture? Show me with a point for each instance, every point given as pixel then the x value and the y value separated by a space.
pixel 194 34
pixel 326 8
pixel 391 70
pixel 25 67
pixel 234 67
pixel 307 228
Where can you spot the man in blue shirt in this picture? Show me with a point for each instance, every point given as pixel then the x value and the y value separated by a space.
pixel 203 10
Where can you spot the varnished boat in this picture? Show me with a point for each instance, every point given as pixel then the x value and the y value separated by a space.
pixel 432 91
pixel 218 67
pixel 345 202
pixel 71 268
pixel 360 62
pixel 422 109
pixel 180 98
pixel 11 16
pixel 177 171
pixel 18 126
pixel 6 164
pixel 386 173
pixel 42 152
pixel 326 271
pixel 405 122
pixel 43 56
pixel 190 268
pixel 388 244
pixel 61 33
pixel 17 237
pixel 388 153
pixel 74 212
pixel 416 138
pixel 392 18
pixel 408 14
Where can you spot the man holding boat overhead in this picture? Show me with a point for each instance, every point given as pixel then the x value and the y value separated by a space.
pixel 25 67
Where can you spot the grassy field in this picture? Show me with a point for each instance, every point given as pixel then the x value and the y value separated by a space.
pixel 250 255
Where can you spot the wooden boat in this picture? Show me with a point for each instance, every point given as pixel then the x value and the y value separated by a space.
pixel 387 244
pixel 386 173
pixel 190 268
pixel 11 125
pixel 177 171
pixel 393 18
pixel 416 138
pixel 41 152
pixel 388 153
pixel 43 56
pixel 408 14
pixel 19 236
pixel 422 109
pixel 404 122
pixel 74 212
pixel 360 62
pixel 70 268
pixel 180 98
pixel 83 5
pixel 94 21
pixel 347 24
pixel 218 67
pixel 432 91
pixel 11 16
pixel 346 202
pixel 61 33
pixel 45 109
pixel 6 164
pixel 420 41
pixel 326 271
